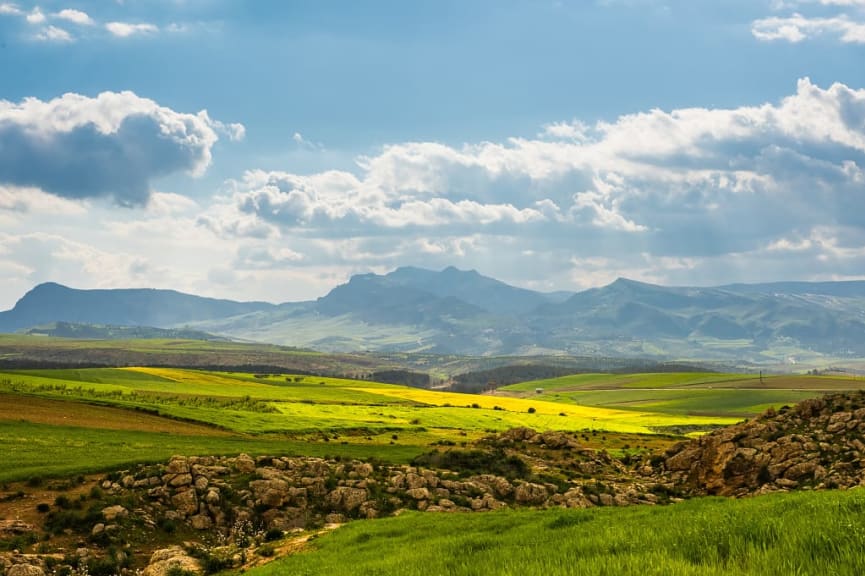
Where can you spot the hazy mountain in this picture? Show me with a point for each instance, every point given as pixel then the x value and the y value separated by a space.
pixel 471 287
pixel 453 311
pixel 50 302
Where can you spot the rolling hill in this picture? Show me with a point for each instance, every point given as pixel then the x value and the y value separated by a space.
pixel 464 312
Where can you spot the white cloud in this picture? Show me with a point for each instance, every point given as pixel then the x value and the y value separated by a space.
pixel 797 27
pixel 75 16
pixel 53 34
pixel 35 16
pixel 10 9
pixel 112 145
pixel 684 190
pixel 842 20
pixel 126 29
pixel 688 196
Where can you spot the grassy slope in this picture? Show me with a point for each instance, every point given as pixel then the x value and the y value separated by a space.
pixel 735 395
pixel 43 450
pixel 331 404
pixel 72 421
pixel 778 535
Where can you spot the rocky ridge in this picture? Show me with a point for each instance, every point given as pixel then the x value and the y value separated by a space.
pixel 816 444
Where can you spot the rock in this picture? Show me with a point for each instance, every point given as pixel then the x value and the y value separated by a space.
pixel 414 481
pixel 335 518
pixel 418 493
pixel 164 560
pixel 244 464
pixel 180 480
pixel 530 494
pixel 185 502
pixel 113 513
pixel 25 570
pixel 800 470
pixel 201 522
pixel 346 499
pixel 496 484
pixel 177 465
pixel 98 529
pixel 15 527
pixel 363 469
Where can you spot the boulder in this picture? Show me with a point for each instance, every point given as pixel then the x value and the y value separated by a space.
pixel 25 570
pixel 185 502
pixel 244 464
pixel 346 499
pixel 164 560
pixel 114 513
pixel 530 494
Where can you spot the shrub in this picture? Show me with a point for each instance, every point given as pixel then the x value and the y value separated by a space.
pixel 273 534
pixel 532 410
pixel 178 570
pixel 266 551
pixel 43 508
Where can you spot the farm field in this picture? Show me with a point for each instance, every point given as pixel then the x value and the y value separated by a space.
pixel 75 421
pixel 804 533
pixel 696 393
pixel 79 420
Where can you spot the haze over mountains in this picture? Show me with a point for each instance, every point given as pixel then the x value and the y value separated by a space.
pixel 463 312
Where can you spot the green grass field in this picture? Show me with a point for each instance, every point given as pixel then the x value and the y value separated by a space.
pixel 695 393
pixel 199 412
pixel 802 534
pixel 44 450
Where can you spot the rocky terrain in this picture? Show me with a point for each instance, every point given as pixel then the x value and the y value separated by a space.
pixel 230 511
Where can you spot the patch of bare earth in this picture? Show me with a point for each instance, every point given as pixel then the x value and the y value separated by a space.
pixel 38 410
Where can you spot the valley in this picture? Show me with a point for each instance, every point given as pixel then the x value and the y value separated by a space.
pixel 87 444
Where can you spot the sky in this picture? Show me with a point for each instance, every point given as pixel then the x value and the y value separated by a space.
pixel 269 150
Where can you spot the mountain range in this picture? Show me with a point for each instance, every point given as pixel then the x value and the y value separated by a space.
pixel 463 312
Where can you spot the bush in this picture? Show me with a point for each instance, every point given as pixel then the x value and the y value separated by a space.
pixel 532 410
pixel 266 551
pixel 43 508
pixel 470 462
pixel 273 534
pixel 177 570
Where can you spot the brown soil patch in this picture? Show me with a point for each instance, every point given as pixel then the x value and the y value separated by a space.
pixel 70 413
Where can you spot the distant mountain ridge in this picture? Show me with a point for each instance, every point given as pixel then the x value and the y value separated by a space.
pixel 51 302
pixel 463 312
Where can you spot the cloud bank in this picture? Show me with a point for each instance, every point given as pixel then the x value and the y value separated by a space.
pixel 690 196
pixel 844 22
pixel 112 145
pixel 696 195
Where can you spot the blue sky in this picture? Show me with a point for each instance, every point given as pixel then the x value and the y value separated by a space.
pixel 268 150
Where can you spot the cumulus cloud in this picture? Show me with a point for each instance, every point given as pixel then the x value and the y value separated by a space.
pixel 53 34
pixel 126 29
pixel 797 27
pixel 845 21
pixel 75 16
pixel 685 190
pixel 112 145
pixel 10 9
pixel 35 16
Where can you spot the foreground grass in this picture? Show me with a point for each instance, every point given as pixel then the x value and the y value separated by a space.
pixel 778 535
